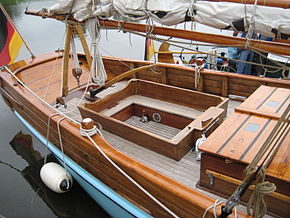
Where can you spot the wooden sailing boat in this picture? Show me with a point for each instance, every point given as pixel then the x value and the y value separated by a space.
pixel 125 178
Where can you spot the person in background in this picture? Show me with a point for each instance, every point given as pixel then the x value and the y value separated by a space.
pixel 245 55
pixel 221 60
pixel 183 60
pixel 259 70
pixel 232 54
pixel 192 59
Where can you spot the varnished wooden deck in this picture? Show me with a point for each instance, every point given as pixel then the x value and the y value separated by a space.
pixel 45 79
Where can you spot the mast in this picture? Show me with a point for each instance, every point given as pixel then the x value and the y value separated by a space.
pixel 270 3
pixel 70 30
pixel 274 47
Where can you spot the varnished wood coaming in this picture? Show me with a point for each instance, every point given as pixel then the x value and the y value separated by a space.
pixel 180 199
pixel 213 82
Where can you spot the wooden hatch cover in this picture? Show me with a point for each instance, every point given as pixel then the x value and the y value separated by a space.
pixel 236 142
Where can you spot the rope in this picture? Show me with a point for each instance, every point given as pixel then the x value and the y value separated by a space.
pixel 251 28
pixel 77 71
pixel 197 70
pixel 130 178
pixel 256 204
pixel 60 142
pixel 37 97
pixel 216 203
pixel 94 143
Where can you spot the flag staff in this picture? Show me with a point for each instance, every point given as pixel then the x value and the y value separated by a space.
pixel 12 23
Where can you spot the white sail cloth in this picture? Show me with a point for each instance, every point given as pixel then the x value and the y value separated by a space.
pixel 269 21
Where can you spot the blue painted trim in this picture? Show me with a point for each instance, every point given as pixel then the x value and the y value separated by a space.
pixel 90 180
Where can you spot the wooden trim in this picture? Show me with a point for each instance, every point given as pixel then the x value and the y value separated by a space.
pixel 164 78
pixel 225 87
pixel 238 182
pixel 258 112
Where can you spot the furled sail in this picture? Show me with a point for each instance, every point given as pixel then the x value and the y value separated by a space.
pixel 269 21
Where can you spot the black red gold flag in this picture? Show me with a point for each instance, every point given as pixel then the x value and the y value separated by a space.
pixel 10 41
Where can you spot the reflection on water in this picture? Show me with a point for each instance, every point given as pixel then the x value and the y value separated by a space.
pixel 75 203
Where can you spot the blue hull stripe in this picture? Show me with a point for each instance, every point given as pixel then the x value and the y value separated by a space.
pixel 113 203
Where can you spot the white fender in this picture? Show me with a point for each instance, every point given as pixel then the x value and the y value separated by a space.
pixel 55 177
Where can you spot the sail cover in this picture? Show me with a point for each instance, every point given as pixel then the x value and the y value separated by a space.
pixel 269 21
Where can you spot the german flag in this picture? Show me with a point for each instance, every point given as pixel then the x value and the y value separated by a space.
pixel 10 40
pixel 149 49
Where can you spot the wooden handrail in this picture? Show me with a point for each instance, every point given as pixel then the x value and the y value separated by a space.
pixel 237 182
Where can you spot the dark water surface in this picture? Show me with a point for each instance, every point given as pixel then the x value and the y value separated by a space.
pixel 22 194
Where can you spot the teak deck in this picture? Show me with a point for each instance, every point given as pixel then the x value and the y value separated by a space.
pixel 178 108
pixel 236 142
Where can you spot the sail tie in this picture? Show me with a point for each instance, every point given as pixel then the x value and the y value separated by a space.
pixel 251 28
pixel 192 11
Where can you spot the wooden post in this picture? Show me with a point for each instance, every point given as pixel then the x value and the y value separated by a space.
pixel 66 60
pixel 164 78
pixel 84 44
pixel 200 86
pixel 132 66
pixel 225 87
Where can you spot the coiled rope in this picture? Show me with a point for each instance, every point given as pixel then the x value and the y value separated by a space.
pixel 256 205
